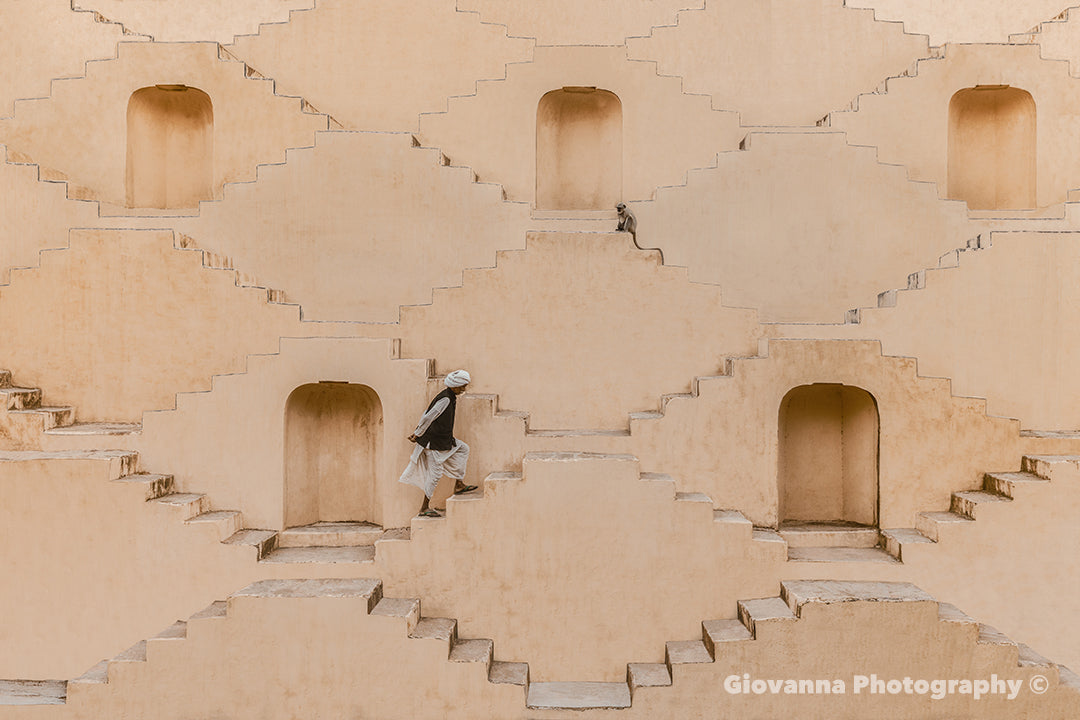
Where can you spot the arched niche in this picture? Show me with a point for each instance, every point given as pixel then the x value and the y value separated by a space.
pixel 333 434
pixel 578 149
pixel 992 161
pixel 828 455
pixel 170 147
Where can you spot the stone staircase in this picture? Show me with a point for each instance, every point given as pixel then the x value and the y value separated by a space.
pixel 770 620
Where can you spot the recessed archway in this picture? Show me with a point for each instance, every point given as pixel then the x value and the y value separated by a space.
pixel 992 160
pixel 170 147
pixel 828 455
pixel 578 149
pixel 333 434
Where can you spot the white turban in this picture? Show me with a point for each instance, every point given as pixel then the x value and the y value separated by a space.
pixel 457 379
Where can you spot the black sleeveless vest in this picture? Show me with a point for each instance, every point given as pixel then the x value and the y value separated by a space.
pixel 440 434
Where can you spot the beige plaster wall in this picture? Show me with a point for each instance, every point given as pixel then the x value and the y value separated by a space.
pixel 91 567
pixel 997 325
pixel 198 19
pixel 784 65
pixel 44 40
pixel 80 131
pixel 122 320
pixel 589 329
pixel 244 419
pixel 909 123
pixel 757 221
pixel 359 225
pixel 965 21
pixel 579 604
pixel 376 65
pixel 44 214
pixel 1058 39
pixel 494 131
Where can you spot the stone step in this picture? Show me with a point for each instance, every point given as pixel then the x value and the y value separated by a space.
pixel 647 675
pixel 687 652
pixel 228 522
pixel 155 485
pixel 33 692
pixel 1008 483
pixel 407 608
pixel 330 555
pixel 264 541
pixel 508 673
pixel 52 417
pixel 135 653
pixel 479 650
pixel 840 554
pixel 967 503
pixel 189 504
pixel 894 539
pixel 5 378
pixel 756 614
pixel 717 632
pixel 18 398
pixel 732 517
pixel 97 675
pixel 102 428
pixel 803 535
pixel 330 534
pixel 578 695
pixel 431 628
pixel 929 523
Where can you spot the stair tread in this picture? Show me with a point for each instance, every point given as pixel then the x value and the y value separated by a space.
pixel 216 609
pixel 726 630
pixel 177 630
pixel 508 673
pixel 473 650
pixel 321 554
pixel 840 554
pixel 180 498
pixel 649 675
pixel 97 674
pixel 97 429
pixel 907 535
pixel 33 692
pixel 946 517
pixel 249 536
pixel 214 516
pixel 396 607
pixel 434 628
pixel 135 653
pixel 686 652
pixel 578 695
pixel 730 516
pixel 311 588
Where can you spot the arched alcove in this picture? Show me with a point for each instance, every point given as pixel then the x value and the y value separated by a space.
pixel 170 147
pixel 828 455
pixel 992 160
pixel 333 434
pixel 578 149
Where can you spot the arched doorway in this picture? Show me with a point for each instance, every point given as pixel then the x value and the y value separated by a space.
pixel 170 147
pixel 333 434
pixel 992 161
pixel 578 149
pixel 828 455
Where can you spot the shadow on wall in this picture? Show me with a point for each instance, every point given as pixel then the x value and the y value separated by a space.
pixel 828 461
pixel 170 147
pixel 992 148
pixel 578 149
pixel 333 434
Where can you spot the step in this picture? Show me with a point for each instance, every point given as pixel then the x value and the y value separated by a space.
pixel 406 608
pixel 97 675
pixel 5 378
pixel 840 554
pixel 19 398
pixel 687 652
pixel 264 541
pixel 102 428
pixel 330 534
pixel 762 611
pixel 732 517
pixel 1007 483
pixel 929 523
pixel 33 692
pixel 478 650
pixel 431 628
pixel 509 673
pixel 135 653
pixel 228 522
pixel 578 695
pixel 804 535
pixel 967 503
pixel 156 486
pixel 216 609
pixel 332 555
pixel 717 632
pixel 894 539
pixel 648 675
pixel 189 504
pixel 54 417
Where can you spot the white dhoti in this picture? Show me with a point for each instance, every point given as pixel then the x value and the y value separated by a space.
pixel 426 466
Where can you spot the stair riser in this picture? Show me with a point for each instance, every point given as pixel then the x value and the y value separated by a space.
pixel 21 399
pixel 327 539
pixel 963 506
